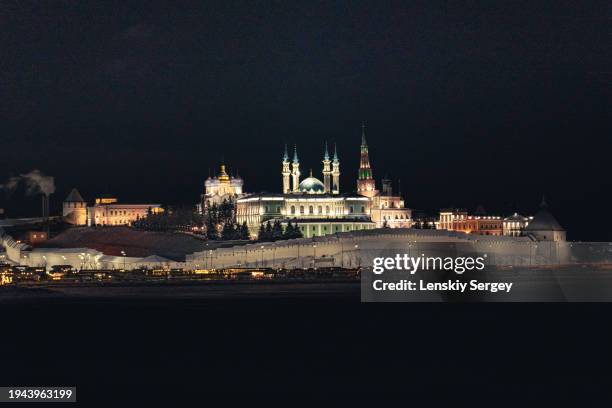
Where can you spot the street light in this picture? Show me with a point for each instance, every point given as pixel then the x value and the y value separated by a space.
pixel 314 256
pixel 123 254
pixel 262 252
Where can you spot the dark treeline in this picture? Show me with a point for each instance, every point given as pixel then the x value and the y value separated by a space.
pixel 179 219
pixel 217 223
pixel 220 222
pixel 275 232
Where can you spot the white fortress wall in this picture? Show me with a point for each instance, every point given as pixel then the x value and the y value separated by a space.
pixel 347 249
pixel 340 250
pixel 47 257
pixel 13 248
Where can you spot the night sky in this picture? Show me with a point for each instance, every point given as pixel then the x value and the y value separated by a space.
pixel 467 103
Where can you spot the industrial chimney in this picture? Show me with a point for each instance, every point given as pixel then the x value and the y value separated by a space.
pixel 45 212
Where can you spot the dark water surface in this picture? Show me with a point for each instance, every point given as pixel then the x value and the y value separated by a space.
pixel 128 350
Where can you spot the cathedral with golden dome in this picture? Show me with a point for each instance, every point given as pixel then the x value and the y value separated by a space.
pixel 221 187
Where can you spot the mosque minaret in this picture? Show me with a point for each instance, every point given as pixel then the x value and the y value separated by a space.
pixel 295 173
pixel 327 171
pixel 286 173
pixel 318 207
pixel 335 172
pixel 312 185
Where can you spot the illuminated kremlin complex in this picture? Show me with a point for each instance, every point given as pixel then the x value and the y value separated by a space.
pixel 341 229
pixel 317 207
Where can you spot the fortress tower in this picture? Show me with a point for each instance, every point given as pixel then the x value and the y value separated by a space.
pixel 75 209
pixel 365 182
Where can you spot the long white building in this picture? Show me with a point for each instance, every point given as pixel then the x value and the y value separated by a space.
pixel 106 211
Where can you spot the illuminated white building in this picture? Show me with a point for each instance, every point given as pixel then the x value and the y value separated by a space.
pixel 105 211
pixel 108 211
pixel 316 207
pixel 221 187
pixel 514 225
pixel 388 210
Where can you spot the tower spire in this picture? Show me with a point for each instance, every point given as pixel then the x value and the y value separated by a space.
pixel 366 185
pixel 295 170
pixel 327 171
pixel 363 138
pixel 286 172
pixel 335 153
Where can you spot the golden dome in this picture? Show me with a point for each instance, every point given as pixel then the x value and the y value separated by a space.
pixel 223 176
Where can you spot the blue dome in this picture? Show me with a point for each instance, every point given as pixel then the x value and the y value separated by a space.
pixel 312 185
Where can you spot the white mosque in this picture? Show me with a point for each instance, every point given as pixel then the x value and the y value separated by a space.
pixel 318 207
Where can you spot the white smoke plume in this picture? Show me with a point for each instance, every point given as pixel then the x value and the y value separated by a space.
pixel 35 181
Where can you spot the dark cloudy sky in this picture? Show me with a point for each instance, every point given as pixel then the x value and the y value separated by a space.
pixel 467 102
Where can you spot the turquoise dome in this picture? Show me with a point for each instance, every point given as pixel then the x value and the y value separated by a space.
pixel 312 185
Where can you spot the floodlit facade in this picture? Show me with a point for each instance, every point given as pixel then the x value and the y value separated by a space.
pixel 105 211
pixel 221 187
pixel 388 210
pixel 461 221
pixel 115 213
pixel 515 224
pixel 315 213
pixel 318 207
